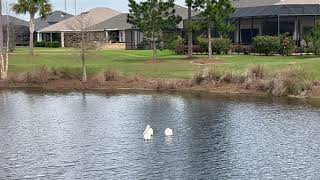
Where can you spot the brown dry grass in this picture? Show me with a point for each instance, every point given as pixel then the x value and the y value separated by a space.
pixel 293 81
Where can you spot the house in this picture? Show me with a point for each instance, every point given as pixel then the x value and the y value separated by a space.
pixel 41 23
pixel 115 31
pixel 19 27
pixel 121 34
pixel 274 17
pixel 84 21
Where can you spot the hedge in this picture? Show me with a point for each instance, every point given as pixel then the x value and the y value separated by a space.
pixel 53 44
pixel 221 45
pixel 40 44
pixel 266 44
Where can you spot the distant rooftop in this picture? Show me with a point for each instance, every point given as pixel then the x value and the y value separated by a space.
pixel 278 10
pixel 53 18
pixel 90 18
pixel 14 20
pixel 119 22
pixel 257 3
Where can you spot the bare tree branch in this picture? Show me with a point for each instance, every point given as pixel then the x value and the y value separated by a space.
pixel 82 38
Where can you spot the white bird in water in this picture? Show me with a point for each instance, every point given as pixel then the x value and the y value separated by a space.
pixel 151 131
pixel 148 132
pixel 147 136
pixel 168 132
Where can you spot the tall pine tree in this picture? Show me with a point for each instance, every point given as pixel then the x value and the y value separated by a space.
pixel 215 13
pixel 152 17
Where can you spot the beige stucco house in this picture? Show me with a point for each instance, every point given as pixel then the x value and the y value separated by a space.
pixel 81 22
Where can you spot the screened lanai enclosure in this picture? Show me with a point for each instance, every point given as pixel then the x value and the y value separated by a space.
pixel 296 20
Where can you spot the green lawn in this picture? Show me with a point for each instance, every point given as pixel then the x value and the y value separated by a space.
pixel 138 62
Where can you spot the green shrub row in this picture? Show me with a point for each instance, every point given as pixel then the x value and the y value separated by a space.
pixel 53 44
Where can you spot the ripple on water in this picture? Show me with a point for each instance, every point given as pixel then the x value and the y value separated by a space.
pixel 93 136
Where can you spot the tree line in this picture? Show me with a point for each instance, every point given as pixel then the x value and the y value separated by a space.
pixel 154 16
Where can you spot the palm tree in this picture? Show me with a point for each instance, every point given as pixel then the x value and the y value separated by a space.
pixel 32 7
pixel 189 28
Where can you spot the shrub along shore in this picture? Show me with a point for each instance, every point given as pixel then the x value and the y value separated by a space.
pixel 289 82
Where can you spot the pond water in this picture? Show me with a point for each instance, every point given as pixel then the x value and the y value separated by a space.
pixel 99 136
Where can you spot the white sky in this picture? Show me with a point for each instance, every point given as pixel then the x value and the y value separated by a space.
pixel 84 5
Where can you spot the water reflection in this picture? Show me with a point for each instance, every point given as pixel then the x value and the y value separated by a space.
pixel 94 136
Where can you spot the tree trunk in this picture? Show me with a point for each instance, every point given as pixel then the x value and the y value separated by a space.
pixel 154 47
pixel 189 28
pixel 1 27
pixel 83 58
pixel 209 42
pixel 84 71
pixel 31 27
pixel 1 44
pixel 6 61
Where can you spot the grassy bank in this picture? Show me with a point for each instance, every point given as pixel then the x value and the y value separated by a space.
pixel 138 62
pixel 293 81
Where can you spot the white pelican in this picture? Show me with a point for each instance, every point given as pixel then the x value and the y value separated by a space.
pixel 148 133
pixel 146 130
pixel 168 132
pixel 147 136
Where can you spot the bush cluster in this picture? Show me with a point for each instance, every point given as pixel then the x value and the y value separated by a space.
pixel 221 45
pixel 271 45
pixel 266 44
pixel 53 44
pixel 40 44
pixel 173 43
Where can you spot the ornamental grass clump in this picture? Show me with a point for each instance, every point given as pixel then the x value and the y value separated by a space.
pixel 213 74
pixel 111 75
pixel 292 81
pixel 197 79
pixel 38 75
pixel 256 71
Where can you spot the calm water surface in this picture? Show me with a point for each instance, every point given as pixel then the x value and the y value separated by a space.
pixel 99 136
